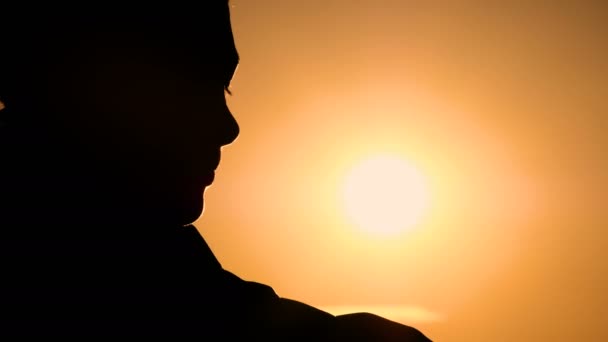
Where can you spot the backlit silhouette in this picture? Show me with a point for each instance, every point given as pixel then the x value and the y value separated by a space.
pixel 112 128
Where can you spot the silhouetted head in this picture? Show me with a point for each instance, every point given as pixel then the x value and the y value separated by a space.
pixel 114 116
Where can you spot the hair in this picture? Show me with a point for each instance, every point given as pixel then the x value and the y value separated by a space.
pixel 30 42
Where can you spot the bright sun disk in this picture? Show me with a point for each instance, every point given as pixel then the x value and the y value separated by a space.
pixel 385 195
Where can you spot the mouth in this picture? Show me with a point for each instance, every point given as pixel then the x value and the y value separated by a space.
pixel 208 178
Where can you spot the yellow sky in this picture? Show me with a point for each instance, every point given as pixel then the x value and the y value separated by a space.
pixel 502 107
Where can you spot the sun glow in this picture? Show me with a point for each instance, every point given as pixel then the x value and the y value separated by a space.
pixel 385 195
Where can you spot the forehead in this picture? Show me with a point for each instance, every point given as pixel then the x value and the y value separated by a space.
pixel 207 28
pixel 202 36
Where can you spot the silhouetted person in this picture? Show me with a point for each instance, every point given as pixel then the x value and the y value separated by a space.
pixel 112 128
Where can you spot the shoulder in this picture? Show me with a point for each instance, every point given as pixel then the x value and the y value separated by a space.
pixel 250 289
pixel 272 315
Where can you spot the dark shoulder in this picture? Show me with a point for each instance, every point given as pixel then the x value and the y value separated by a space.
pixel 271 316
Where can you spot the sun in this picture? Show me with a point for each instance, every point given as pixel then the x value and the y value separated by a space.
pixel 385 195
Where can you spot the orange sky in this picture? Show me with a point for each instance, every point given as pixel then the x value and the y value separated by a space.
pixel 503 108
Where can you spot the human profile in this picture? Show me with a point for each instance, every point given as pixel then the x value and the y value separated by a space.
pixel 112 127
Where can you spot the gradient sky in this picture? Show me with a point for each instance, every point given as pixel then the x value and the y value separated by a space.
pixel 502 105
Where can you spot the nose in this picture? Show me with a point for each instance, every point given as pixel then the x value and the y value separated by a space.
pixel 229 130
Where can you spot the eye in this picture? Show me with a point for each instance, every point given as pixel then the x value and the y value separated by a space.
pixel 227 90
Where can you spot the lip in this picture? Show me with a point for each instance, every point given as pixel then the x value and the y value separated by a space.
pixel 208 178
pixel 205 170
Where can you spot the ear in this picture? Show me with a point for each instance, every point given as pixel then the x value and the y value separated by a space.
pixel 5 112
pixel 3 121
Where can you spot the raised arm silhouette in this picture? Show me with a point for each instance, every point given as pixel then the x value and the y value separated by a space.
pixel 111 128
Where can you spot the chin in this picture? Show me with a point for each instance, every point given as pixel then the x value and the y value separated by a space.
pixel 192 208
pixel 172 209
pixel 191 215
